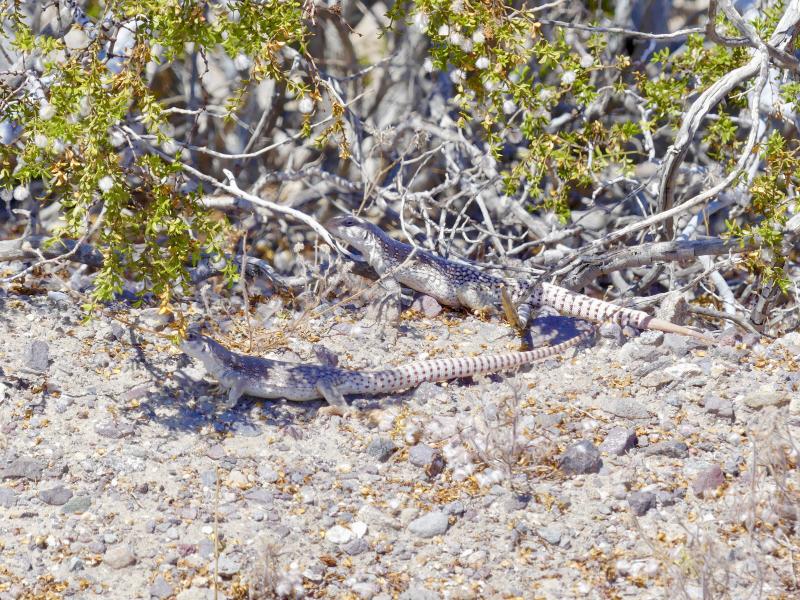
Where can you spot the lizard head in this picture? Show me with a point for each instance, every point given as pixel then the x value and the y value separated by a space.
pixel 360 234
pixel 204 349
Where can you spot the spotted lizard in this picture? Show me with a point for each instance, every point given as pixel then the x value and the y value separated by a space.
pixel 241 374
pixel 461 285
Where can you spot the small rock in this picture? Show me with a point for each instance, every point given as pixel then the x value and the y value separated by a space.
pixel 161 589
pixel 216 452
pixel 77 505
pixel 37 356
pixel 381 448
pixel 517 502
pixel 119 557
pixel 359 528
pixel 551 534
pixel 260 496
pixel 719 406
pixel 427 305
pixel 356 546
pixel 708 480
pixel 583 457
pixel 339 535
pixel 429 525
pixel 670 448
pixel 641 502
pixel 23 468
pixel 455 508
pixel 154 318
pixel 427 458
pixel 618 441
pixel 56 496
pixel 8 498
pixel 625 408
pixel 417 591
pixel 228 566
pixel 114 429
pixel 683 370
pixel 75 564
pixel 765 396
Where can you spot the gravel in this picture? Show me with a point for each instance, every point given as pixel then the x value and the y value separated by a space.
pixel 110 474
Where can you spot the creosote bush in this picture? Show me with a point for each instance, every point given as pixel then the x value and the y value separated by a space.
pixel 93 122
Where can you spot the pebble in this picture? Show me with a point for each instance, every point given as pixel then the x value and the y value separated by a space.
pixel 765 396
pixel 618 441
pixel 381 448
pixel 161 589
pixel 551 534
pixel 719 406
pixel 427 305
pixel 23 468
pixel 228 565
pixel 708 480
pixel 114 429
pixel 8 498
pixel 429 525
pixel 356 546
pixel 671 449
pixel 37 356
pixel 339 535
pixel 579 458
pixel 430 459
pixel 641 502
pixel 119 557
pixel 56 496
pixel 77 505
pixel 625 408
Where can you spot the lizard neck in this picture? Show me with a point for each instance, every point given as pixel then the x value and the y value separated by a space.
pixel 384 253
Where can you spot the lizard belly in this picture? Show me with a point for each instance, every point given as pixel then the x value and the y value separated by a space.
pixel 262 389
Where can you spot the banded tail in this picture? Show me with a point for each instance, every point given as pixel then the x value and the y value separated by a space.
pixel 583 307
pixel 442 369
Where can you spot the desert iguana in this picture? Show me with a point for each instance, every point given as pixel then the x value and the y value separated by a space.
pixel 242 374
pixel 460 285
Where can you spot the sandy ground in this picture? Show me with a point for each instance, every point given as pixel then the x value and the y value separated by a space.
pixel 626 469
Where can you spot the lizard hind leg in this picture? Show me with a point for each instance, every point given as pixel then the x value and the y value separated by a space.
pixel 337 405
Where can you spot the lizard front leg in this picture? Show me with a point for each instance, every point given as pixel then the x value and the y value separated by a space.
pixel 235 385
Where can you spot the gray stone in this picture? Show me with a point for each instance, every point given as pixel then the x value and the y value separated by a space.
pixel 517 502
pixel 429 525
pixel 665 498
pixel 427 305
pixel 708 480
pixel 114 429
pixel 356 546
pixel 618 441
pixel 625 408
pixel 641 502
pixel 550 534
pixel 427 458
pixel 154 318
pixel 417 591
pixel 119 557
pixel 766 396
pixel 456 508
pixel 719 406
pixel 381 448
pixel 23 468
pixel 37 356
pixel 77 505
pixel 670 448
pixel 161 589
pixel 56 496
pixel 260 496
pixel 583 457
pixel 8 498
pixel 75 564
pixel 229 565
